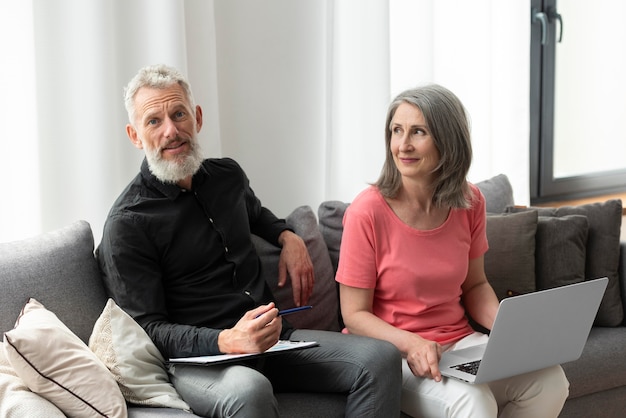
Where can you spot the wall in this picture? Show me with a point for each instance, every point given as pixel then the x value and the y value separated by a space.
pixel 271 69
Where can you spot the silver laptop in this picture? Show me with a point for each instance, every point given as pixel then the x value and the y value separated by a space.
pixel 530 332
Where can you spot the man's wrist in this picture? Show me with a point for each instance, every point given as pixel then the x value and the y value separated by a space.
pixel 222 341
pixel 284 236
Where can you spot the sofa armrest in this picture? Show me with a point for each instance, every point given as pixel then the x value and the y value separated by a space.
pixel 622 276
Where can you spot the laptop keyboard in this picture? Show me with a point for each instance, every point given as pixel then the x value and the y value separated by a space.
pixel 471 367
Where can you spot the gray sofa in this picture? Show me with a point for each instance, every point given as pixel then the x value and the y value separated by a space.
pixel 59 270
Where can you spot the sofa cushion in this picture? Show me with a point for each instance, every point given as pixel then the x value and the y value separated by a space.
pixel 16 400
pixel 602 252
pixel 331 227
pixel 498 193
pixel 325 312
pixel 601 366
pixel 511 237
pixel 59 270
pixel 560 250
pixel 133 359
pixel 56 364
pixel 151 412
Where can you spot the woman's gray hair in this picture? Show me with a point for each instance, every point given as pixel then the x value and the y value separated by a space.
pixel 447 120
pixel 154 76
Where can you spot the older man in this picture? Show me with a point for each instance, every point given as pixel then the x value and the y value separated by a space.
pixel 177 255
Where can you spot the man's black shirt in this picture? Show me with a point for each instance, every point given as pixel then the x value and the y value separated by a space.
pixel 182 263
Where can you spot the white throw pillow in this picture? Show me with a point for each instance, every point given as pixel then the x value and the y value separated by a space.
pixel 133 359
pixel 56 364
pixel 16 400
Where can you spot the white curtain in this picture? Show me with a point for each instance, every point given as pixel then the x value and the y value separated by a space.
pixel 20 205
pixel 70 157
pixel 480 50
pixel 296 91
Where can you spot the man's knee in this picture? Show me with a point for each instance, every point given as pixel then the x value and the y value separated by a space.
pixel 251 396
pixel 382 357
pixel 225 391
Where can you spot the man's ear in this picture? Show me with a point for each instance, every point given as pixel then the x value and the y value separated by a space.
pixel 132 135
pixel 198 118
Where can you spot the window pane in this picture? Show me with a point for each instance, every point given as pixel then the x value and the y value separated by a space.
pixel 590 88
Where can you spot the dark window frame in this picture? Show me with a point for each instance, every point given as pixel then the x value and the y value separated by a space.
pixel 543 186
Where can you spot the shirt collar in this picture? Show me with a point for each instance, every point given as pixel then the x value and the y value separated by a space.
pixel 170 190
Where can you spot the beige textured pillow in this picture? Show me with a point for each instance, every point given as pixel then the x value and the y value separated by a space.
pixel 16 400
pixel 133 359
pixel 56 364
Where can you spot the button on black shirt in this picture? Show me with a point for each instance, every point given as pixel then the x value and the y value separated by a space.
pixel 182 263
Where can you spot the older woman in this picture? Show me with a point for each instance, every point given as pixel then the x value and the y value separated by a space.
pixel 412 265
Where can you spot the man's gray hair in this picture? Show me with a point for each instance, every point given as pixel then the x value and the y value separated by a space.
pixel 154 76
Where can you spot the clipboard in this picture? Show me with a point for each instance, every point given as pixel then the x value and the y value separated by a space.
pixel 280 346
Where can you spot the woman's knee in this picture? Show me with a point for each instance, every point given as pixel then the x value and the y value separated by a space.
pixel 549 383
pixel 470 403
pixel 425 398
pixel 539 393
pixel 473 401
pixel 556 382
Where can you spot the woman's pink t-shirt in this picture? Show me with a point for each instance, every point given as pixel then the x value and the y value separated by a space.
pixel 417 274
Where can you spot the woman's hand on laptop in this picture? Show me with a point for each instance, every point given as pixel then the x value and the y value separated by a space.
pixel 423 359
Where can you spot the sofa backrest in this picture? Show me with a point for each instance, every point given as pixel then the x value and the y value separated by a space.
pixel 58 269
pixel 622 276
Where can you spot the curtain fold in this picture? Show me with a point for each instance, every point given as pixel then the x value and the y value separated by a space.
pixel 360 75
pixel 20 205
pixel 479 49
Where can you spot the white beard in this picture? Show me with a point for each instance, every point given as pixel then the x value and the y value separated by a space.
pixel 173 171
